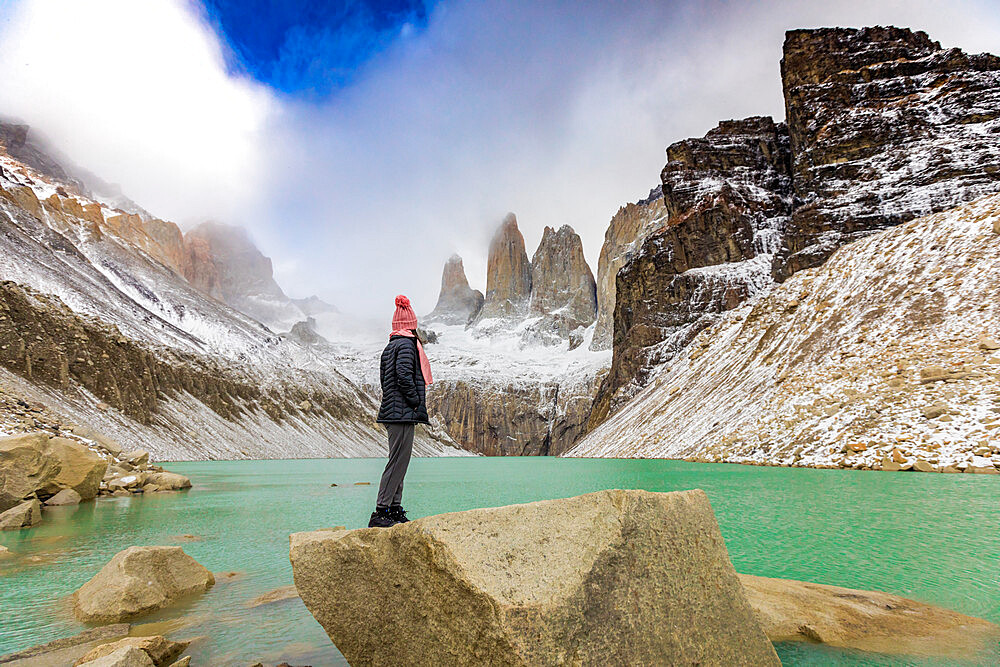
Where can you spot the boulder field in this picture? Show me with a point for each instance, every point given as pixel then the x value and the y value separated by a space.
pixel 39 468
pixel 612 577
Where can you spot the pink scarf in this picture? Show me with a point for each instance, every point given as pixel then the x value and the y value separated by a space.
pixel 425 365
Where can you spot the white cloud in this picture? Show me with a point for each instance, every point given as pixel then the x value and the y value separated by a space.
pixel 138 93
pixel 559 112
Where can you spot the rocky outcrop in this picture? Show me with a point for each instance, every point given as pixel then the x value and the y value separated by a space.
pixel 137 581
pixel 508 274
pixel 885 126
pixel 226 264
pixel 864 620
pixel 457 302
pixel 881 358
pixel 726 196
pixel 524 418
pixel 626 232
pixel 572 581
pixel 161 651
pixel 563 292
pixel 37 465
pixel 23 515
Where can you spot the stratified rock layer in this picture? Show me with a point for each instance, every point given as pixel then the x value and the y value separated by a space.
pixel 563 292
pixel 508 274
pixel 885 126
pixel 613 577
pixel 457 302
pixel 139 580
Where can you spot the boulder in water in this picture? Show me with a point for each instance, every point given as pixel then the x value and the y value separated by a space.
pixel 160 650
pixel 139 580
pixel 167 481
pixel 613 577
pixel 25 515
pixel 865 620
pixel 38 465
pixel 65 497
pixel 126 656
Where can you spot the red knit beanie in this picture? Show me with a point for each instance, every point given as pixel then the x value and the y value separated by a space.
pixel 404 318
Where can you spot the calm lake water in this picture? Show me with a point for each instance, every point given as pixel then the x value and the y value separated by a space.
pixel 934 538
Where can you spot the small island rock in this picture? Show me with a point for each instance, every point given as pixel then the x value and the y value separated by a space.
pixel 139 580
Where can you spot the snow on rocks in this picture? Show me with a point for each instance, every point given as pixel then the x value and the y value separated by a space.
pixel 873 360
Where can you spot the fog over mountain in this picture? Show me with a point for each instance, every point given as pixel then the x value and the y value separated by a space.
pixel 558 112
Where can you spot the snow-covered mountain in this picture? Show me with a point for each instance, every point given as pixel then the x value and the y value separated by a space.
pixel 888 353
pixel 101 324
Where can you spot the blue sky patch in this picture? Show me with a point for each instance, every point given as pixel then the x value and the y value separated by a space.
pixel 310 48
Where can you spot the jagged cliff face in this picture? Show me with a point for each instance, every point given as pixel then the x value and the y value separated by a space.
pixel 457 302
pixel 626 232
pixel 726 197
pixel 508 274
pixel 883 126
pixel 563 292
pixel 889 351
pixel 226 264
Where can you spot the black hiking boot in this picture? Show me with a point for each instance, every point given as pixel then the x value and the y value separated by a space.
pixel 398 514
pixel 381 519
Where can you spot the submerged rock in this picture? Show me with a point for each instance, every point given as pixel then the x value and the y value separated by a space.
pixel 126 656
pixel 139 580
pixel 38 465
pixel 160 650
pixel 25 515
pixel 66 650
pixel 613 577
pixel 865 620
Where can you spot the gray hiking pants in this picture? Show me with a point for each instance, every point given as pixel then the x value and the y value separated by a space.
pixel 390 489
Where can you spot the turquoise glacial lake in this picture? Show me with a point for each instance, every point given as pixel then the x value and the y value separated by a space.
pixel 934 538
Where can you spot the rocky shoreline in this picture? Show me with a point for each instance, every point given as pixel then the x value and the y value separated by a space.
pixel 41 469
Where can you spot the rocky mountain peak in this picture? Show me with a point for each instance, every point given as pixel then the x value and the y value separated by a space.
pixel 225 263
pixel 563 290
pixel 457 302
pixel 508 273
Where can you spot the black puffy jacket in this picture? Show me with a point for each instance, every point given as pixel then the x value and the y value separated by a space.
pixel 403 392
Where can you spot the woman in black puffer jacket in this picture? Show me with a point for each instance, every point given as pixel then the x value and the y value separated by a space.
pixel 405 374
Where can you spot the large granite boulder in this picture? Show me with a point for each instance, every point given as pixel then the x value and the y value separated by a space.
pixel 508 274
pixel 38 465
pixel 613 577
pixel 865 620
pixel 457 302
pixel 563 291
pixel 25 515
pixel 139 580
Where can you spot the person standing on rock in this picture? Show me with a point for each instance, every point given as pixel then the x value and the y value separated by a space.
pixel 405 374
